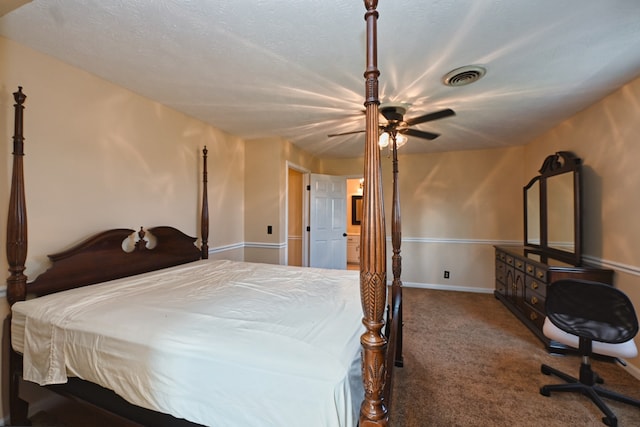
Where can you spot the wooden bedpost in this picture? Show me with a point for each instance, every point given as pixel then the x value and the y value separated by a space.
pixel 17 218
pixel 373 277
pixel 204 218
pixel 396 240
pixel 16 257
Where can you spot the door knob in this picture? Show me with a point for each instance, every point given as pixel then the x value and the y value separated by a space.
pixel 344 234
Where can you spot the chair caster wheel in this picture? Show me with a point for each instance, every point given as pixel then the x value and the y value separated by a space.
pixel 611 422
pixel 545 391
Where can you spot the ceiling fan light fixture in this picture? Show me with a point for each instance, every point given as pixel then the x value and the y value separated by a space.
pixel 401 140
pixel 383 141
pixel 464 75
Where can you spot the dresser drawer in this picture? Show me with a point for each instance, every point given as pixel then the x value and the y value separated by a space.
pixel 509 260
pixel 537 272
pixel 541 274
pixel 519 264
pixel 534 299
pixel 536 286
pixel 500 271
pixel 535 316
pixel 530 268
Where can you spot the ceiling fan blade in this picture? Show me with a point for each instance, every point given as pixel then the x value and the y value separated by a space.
pixel 420 134
pixel 431 116
pixel 346 133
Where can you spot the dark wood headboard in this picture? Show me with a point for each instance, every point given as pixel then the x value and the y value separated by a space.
pixel 102 258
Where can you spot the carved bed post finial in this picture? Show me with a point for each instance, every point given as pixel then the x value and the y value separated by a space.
pixel 204 218
pixel 17 218
pixel 373 411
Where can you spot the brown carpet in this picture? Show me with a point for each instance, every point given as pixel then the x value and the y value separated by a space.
pixel 467 362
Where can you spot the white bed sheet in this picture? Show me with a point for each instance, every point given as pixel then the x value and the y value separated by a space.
pixel 220 343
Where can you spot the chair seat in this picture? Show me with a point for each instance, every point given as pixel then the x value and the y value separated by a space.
pixel 626 349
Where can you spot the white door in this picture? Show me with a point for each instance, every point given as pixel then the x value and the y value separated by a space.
pixel 328 222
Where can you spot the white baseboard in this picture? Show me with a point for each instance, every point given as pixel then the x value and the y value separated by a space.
pixel 448 287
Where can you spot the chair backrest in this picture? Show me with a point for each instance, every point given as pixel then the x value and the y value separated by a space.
pixel 592 310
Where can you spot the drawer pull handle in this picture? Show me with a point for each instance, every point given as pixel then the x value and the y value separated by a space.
pixel 519 264
pixel 534 285
pixel 533 316
pixel 540 274
pixel 529 269
pixel 534 300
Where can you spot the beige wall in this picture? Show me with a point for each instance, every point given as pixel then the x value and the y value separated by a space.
pixel 98 156
pixel 461 195
pixel 262 203
pixel 606 137
pixel 266 196
pixel 455 206
pixel 7 6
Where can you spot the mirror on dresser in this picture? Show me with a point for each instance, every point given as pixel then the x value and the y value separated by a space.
pixel 552 208
pixel 552 246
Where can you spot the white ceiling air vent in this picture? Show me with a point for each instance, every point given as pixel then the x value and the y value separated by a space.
pixel 464 75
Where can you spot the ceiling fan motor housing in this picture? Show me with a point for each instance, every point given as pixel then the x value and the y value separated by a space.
pixel 393 112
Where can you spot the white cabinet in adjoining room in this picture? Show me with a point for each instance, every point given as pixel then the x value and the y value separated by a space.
pixel 353 249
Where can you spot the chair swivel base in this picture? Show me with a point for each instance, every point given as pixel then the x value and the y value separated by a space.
pixel 587 385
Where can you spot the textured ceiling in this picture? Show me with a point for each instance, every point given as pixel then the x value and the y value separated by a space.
pixel 294 68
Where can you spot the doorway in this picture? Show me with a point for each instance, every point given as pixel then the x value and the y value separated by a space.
pixel 298 218
pixel 354 194
pixel 297 179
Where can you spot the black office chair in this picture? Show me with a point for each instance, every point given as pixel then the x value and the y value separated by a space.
pixel 594 318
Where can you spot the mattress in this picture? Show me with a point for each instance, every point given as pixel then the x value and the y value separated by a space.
pixel 220 343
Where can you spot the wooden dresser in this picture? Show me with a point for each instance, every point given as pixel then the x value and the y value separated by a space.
pixel 522 276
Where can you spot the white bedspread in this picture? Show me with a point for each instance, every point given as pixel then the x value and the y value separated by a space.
pixel 220 343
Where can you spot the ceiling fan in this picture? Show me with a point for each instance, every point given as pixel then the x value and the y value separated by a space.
pixel 397 125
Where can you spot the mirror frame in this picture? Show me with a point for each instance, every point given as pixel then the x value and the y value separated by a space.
pixel 559 163
pixel 356 210
pixel 528 221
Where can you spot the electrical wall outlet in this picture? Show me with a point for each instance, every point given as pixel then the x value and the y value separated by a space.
pixel 446 274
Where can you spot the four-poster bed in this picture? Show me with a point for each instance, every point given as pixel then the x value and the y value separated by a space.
pixel 79 273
